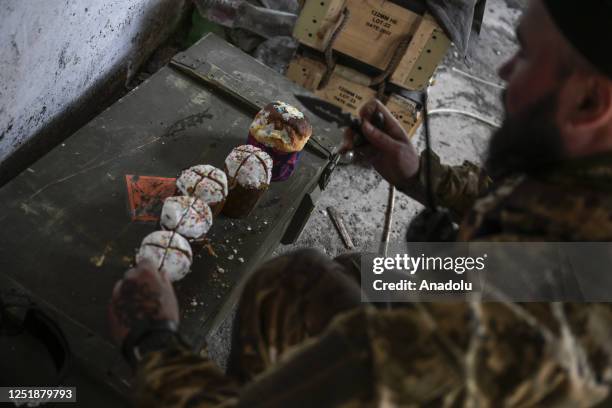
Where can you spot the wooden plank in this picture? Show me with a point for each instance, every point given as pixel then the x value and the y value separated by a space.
pixel 346 93
pixel 427 48
pixel 374 30
pixel 305 72
pixel 317 22
pixel 406 111
pixel 350 96
pixel 348 89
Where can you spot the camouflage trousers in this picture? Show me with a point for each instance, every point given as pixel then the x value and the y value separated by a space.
pixel 303 338
pixel 287 301
pixel 284 353
pixel 398 355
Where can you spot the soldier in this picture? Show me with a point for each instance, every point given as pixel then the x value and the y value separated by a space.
pixel 303 338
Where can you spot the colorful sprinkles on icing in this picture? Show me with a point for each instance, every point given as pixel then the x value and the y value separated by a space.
pixel 168 251
pixel 288 111
pixel 280 123
pixel 204 181
pixel 250 166
pixel 188 216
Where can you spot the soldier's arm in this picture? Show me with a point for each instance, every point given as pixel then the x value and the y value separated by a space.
pixel 169 374
pixel 177 377
pixel 396 159
pixel 454 187
pixel 328 371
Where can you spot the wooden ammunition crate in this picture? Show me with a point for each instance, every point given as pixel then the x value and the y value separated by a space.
pixel 374 30
pixel 350 90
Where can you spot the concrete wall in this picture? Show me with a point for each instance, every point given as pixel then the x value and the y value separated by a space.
pixel 56 54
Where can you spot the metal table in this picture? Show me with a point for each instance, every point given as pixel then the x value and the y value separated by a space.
pixel 66 235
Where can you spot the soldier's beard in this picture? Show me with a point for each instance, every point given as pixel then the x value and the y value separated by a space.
pixel 527 143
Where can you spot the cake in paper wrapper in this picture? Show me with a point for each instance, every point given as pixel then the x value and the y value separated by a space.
pixel 249 170
pixel 282 131
pixel 188 216
pixel 168 252
pixel 205 182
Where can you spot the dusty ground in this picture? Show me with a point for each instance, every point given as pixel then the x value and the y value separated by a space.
pixel 359 193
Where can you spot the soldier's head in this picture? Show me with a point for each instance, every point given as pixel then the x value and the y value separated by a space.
pixel 558 99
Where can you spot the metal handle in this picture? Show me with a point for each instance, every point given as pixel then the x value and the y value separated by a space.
pixel 378 121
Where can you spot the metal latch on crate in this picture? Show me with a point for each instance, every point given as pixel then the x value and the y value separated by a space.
pixel 327 172
pixel 220 80
pixel 308 203
pixel 301 216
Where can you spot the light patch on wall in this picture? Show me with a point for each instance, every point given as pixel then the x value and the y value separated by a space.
pixel 57 52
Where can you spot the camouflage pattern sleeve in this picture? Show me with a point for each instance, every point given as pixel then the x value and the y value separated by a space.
pixel 490 354
pixel 328 371
pixel 177 378
pixel 454 187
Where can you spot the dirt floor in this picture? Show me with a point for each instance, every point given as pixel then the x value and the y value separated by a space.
pixel 360 194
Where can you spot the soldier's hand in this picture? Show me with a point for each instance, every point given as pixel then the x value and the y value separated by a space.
pixel 143 294
pixel 393 155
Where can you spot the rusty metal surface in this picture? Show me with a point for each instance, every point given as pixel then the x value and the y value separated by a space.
pixel 66 234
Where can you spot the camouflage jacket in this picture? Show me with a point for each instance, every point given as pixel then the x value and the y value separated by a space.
pixel 443 355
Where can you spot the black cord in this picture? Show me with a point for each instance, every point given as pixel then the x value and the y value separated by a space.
pixel 433 224
pixel 431 201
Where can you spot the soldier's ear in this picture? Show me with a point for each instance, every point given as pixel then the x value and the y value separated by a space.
pixel 584 109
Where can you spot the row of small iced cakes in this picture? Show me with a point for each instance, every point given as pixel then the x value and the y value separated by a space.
pixel 208 191
pixel 184 219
